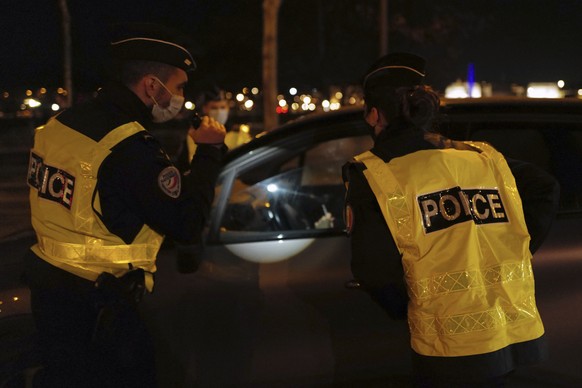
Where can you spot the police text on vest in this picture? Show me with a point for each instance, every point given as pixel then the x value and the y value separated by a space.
pixel 51 182
pixel 446 208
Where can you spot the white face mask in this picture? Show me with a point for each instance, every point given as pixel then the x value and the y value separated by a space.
pixel 220 115
pixel 161 115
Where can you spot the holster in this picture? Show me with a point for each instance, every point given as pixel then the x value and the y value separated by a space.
pixel 116 296
pixel 130 287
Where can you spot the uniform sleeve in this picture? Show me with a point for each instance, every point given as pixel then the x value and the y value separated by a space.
pixel 376 262
pixel 138 185
pixel 540 195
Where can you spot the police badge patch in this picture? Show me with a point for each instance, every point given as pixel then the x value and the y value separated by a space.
pixel 170 181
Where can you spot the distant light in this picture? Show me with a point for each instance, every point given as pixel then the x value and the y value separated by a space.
pixel 189 105
pixel 55 107
pixel 42 90
pixel 335 106
pixel 244 128
pixel 325 105
pixel 249 104
pixel 456 91
pixel 245 90
pixel 339 95
pixel 271 188
pixel 29 92
pixel 255 91
pixel 307 99
pixel 561 84
pixel 312 106
pixel 31 102
pixel 240 97
pixel 544 90
pixel 280 97
pixel 293 91
pixel 352 100
pixel 295 106
pixel 282 103
pixel 580 92
pixel 461 90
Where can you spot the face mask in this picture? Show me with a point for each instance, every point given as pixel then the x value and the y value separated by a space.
pixel 220 115
pixel 161 115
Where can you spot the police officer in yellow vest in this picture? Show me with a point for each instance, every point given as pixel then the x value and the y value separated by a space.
pixel 103 196
pixel 443 233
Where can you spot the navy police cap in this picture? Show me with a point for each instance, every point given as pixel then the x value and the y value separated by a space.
pixel 151 42
pixel 395 70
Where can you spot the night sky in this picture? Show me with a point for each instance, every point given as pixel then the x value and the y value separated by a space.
pixel 321 42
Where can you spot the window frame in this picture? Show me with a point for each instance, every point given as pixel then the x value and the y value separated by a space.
pixel 288 146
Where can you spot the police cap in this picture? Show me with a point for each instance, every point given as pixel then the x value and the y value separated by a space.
pixel 395 70
pixel 151 42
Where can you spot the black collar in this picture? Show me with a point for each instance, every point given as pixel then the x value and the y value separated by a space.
pixel 126 103
pixel 400 139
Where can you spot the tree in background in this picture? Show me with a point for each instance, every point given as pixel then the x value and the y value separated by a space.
pixel 67 52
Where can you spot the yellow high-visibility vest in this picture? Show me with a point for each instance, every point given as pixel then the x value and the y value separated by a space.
pixel 457 219
pixel 64 202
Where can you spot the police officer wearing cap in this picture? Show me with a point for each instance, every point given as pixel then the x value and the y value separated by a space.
pixel 103 196
pixel 443 233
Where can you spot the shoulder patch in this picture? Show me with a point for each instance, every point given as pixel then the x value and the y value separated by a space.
pixel 170 181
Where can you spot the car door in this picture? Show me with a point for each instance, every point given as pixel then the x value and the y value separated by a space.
pixel 267 302
pixel 278 217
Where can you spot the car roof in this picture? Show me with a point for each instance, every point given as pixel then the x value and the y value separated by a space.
pixel 522 108
pixel 489 109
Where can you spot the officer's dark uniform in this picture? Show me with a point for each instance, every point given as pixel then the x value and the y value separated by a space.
pixel 93 336
pixel 377 261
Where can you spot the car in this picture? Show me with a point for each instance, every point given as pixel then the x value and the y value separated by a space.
pixel 268 299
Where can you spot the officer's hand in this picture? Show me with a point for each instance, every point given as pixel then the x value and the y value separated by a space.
pixel 210 131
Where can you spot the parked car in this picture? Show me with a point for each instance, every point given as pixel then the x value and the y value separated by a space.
pixel 263 301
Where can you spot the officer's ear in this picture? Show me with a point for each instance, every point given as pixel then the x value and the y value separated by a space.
pixel 150 85
pixel 372 116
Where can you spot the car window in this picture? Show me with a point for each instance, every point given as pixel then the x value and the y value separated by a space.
pixel 523 144
pixel 557 148
pixel 302 191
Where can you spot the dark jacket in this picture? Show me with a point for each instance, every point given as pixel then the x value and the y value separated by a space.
pixel 128 178
pixel 376 261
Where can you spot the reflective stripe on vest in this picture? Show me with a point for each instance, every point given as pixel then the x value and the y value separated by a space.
pixel 457 220
pixel 63 178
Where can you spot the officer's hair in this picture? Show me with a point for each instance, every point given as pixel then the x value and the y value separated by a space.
pixel 129 72
pixel 212 93
pixel 418 105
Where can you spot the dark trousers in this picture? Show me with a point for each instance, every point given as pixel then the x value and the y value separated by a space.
pixel 85 339
pixel 443 382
